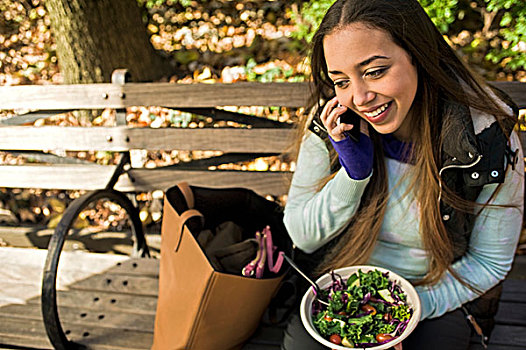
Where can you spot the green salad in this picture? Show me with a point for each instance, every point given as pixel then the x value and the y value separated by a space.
pixel 365 310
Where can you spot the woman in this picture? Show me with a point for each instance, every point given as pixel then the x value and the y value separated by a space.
pixel 428 190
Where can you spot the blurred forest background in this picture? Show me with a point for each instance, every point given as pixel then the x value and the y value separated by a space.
pixel 56 41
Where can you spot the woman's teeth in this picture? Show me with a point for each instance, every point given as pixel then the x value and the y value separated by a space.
pixel 377 111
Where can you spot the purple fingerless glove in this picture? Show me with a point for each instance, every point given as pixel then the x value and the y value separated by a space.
pixel 355 157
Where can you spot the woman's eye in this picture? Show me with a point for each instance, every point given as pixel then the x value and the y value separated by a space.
pixel 376 73
pixel 341 83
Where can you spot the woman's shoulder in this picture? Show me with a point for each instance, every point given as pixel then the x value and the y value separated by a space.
pixel 312 142
pixel 483 120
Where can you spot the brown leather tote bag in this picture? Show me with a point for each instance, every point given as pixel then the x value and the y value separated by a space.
pixel 198 307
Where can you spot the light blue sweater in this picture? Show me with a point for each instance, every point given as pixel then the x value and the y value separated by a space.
pixel 315 217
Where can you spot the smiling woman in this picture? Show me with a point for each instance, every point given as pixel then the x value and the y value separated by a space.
pixel 429 189
pixel 378 81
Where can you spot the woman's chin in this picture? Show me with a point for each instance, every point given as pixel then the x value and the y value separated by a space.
pixel 384 129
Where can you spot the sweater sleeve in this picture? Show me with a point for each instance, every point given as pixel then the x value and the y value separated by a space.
pixel 355 157
pixel 491 248
pixel 314 217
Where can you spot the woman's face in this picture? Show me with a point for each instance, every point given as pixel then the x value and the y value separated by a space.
pixel 372 76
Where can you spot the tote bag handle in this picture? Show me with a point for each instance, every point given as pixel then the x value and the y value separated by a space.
pixel 187 194
pixel 188 214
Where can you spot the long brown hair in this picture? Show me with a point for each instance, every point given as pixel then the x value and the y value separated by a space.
pixel 440 72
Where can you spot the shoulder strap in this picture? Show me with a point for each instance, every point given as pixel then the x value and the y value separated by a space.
pixel 315 124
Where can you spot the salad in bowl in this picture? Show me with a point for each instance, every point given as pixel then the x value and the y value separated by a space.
pixel 366 307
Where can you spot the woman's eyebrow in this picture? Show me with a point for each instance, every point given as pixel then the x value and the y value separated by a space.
pixel 363 63
pixel 371 59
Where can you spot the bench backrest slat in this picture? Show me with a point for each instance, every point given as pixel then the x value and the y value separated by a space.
pixel 93 96
pixel 57 176
pixel 57 97
pixel 119 139
pixel 212 95
pixel 93 177
pixel 515 89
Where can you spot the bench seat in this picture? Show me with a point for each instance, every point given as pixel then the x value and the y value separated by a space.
pixel 108 302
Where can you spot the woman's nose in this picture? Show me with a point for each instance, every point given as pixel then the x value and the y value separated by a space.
pixel 362 95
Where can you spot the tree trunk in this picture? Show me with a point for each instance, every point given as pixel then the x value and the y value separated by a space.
pixel 95 37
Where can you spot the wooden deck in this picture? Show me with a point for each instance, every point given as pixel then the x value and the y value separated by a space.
pixel 108 302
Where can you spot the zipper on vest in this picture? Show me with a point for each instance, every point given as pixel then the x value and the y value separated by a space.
pixel 476 327
pixel 453 166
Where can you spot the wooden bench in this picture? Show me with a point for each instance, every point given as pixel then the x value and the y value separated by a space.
pixel 113 307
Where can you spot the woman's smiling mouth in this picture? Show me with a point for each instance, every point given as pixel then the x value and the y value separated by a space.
pixel 379 113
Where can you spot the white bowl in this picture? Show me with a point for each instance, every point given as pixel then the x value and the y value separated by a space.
pixel 325 281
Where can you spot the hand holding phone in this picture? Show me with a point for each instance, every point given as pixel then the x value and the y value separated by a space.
pixel 355 156
pixel 350 117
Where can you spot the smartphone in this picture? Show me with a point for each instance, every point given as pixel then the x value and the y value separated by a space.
pixel 350 117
